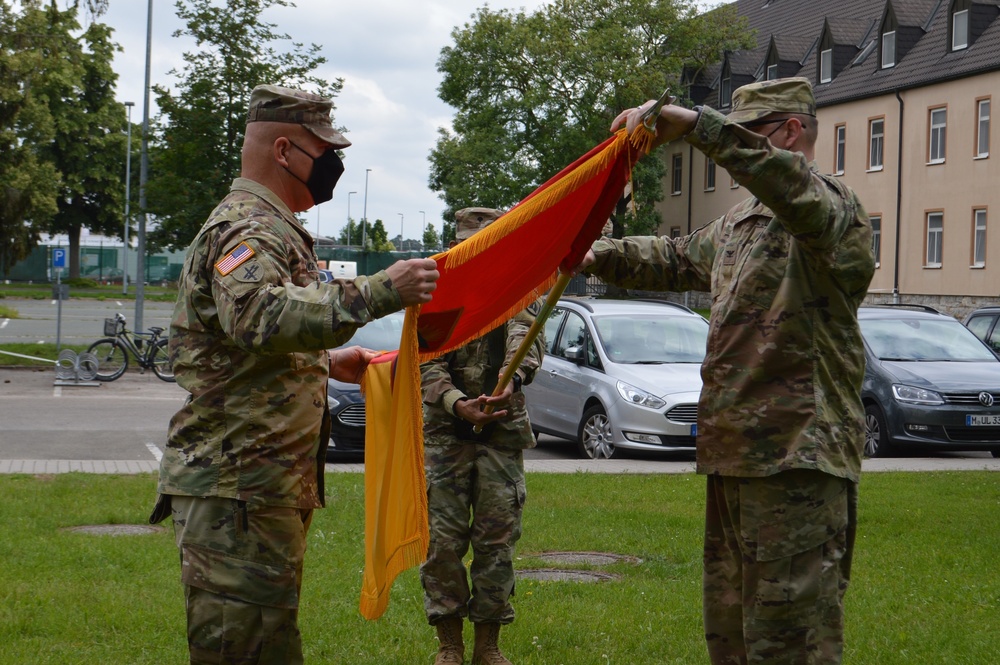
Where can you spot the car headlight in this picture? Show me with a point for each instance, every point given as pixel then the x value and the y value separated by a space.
pixel 914 395
pixel 634 395
pixel 332 402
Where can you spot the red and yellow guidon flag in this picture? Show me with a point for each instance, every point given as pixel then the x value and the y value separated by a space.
pixel 484 281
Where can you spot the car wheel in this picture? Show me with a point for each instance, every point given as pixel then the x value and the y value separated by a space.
pixel 594 437
pixel 876 433
pixel 995 452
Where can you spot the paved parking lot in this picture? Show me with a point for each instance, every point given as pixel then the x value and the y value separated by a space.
pixel 118 427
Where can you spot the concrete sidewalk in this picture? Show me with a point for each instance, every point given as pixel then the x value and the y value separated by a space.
pixel 636 466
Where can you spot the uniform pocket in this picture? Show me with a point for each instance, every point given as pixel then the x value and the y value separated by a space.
pixel 799 561
pixel 252 582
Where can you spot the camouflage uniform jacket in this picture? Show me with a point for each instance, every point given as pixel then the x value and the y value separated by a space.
pixel 464 373
pixel 249 347
pixel 787 270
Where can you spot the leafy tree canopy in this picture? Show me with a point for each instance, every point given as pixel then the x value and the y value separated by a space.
pixel 535 91
pixel 199 133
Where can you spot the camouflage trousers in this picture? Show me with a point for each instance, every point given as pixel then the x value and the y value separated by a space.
pixel 241 565
pixel 475 494
pixel 777 562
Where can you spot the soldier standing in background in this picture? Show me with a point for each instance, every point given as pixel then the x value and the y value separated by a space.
pixel 780 420
pixel 475 482
pixel 243 465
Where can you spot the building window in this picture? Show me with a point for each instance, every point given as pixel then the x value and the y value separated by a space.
pixel 710 176
pixel 876 143
pixel 889 49
pixel 826 66
pixel 840 150
pixel 935 235
pixel 939 121
pixel 876 223
pixel 725 86
pixel 960 30
pixel 772 72
pixel 675 232
pixel 979 238
pixel 677 181
pixel 983 129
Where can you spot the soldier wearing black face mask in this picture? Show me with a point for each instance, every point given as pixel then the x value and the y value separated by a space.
pixel 243 463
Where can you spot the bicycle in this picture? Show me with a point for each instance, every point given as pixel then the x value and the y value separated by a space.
pixel 149 349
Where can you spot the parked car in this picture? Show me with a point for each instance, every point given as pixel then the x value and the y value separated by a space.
pixel 620 374
pixel 347 405
pixel 983 323
pixel 929 383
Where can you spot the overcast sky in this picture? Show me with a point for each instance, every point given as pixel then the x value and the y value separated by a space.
pixel 385 50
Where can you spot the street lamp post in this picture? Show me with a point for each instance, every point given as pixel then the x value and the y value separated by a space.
pixel 140 261
pixel 349 217
pixel 364 228
pixel 400 231
pixel 128 179
pixel 423 225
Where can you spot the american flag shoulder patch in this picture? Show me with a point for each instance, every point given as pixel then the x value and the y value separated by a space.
pixel 233 259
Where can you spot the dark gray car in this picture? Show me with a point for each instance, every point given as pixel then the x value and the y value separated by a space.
pixel 929 383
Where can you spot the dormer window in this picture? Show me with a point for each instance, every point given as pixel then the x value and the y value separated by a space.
pixel 725 86
pixel 960 30
pixel 826 65
pixel 888 49
pixel 772 72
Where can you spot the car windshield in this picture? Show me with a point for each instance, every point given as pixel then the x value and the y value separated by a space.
pixel 379 335
pixel 644 339
pixel 923 340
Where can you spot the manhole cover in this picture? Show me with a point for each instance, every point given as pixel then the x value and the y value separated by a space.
pixel 560 575
pixel 116 529
pixel 588 558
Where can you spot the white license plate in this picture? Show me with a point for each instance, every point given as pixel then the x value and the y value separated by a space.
pixel 972 421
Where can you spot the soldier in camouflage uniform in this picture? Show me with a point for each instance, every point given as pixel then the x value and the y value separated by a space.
pixel 475 482
pixel 780 424
pixel 243 465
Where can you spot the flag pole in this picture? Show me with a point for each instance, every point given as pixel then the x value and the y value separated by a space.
pixel 536 328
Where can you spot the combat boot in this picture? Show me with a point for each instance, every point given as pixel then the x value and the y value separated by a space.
pixel 451 650
pixel 486 651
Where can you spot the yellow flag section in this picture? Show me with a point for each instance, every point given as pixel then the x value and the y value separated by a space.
pixel 484 281
pixel 396 535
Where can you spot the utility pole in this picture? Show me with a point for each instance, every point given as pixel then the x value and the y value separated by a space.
pixel 400 232
pixel 349 217
pixel 140 263
pixel 128 180
pixel 364 228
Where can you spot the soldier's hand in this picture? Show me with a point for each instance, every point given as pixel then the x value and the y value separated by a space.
pixel 501 401
pixel 587 260
pixel 470 410
pixel 414 279
pixel 672 123
pixel 349 364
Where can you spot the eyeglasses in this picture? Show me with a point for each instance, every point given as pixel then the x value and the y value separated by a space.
pixel 760 123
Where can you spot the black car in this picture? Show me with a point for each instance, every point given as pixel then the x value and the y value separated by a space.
pixel 347 405
pixel 929 383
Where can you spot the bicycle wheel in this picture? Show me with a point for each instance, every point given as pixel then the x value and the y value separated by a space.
pixel 160 360
pixel 112 358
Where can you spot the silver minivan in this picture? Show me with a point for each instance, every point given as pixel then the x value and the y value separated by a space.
pixel 620 374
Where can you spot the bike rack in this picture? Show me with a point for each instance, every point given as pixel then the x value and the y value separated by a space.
pixel 74 369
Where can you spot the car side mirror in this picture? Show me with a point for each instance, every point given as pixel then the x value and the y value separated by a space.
pixel 574 354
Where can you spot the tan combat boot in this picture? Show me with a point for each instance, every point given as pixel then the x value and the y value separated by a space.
pixel 451 650
pixel 486 651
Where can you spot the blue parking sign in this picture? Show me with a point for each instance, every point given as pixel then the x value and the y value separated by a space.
pixel 58 257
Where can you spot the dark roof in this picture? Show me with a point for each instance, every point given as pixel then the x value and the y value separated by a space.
pixel 797 25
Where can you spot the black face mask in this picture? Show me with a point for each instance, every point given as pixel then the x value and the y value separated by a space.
pixel 326 171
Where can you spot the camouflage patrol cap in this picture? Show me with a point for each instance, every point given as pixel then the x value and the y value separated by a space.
pixel 756 100
pixel 272 103
pixel 470 220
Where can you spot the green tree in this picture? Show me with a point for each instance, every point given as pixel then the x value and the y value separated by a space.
pixel 350 234
pixel 28 183
pixel 378 237
pixel 535 91
pixel 199 132
pixel 431 239
pixel 89 144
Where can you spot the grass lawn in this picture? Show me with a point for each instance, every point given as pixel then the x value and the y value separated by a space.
pixel 925 587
